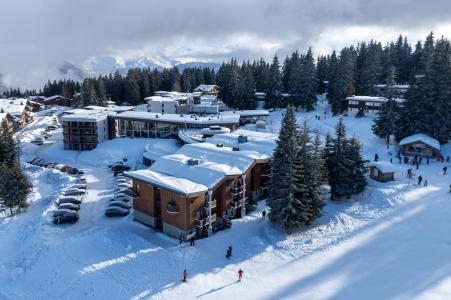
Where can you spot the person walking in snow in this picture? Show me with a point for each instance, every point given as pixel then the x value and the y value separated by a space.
pixel 420 179
pixel 417 164
pixel 376 157
pixel 185 275
pixel 192 241
pixel 263 214
pixel 229 252
pixel 445 169
pixel 181 239
pixel 240 275
pixel 427 160
pixel 425 182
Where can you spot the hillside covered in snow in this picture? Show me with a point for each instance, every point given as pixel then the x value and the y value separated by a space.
pixel 391 242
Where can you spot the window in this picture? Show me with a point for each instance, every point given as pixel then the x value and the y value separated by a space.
pixel 172 207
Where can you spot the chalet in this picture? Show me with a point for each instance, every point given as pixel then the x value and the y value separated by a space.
pixel 207 89
pixel 5 116
pixel 360 106
pixel 421 145
pixel 19 109
pixel 56 100
pixel 382 171
pixel 201 187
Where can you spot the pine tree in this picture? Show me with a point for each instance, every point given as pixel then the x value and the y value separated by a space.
pixel 282 181
pixel 274 91
pixel 308 82
pixel 318 175
pixel 15 187
pixel 339 165
pixel 9 146
pixel 358 170
pixel 384 125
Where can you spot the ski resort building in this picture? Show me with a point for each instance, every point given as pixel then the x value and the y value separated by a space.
pixel 148 124
pixel 249 116
pixel 207 89
pixel 201 187
pixel 173 104
pixel 359 106
pixel 84 129
pixel 56 100
pixel 421 145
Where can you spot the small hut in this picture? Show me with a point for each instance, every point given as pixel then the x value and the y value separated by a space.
pixel 382 171
pixel 421 145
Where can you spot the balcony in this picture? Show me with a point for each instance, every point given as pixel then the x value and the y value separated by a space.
pixel 239 203
pixel 204 221
pixel 212 203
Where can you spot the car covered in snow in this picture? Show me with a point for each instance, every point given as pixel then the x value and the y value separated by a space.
pixel 81 186
pixel 61 216
pixel 119 204
pixel 71 206
pixel 38 141
pixel 68 199
pixel 116 211
pixel 74 192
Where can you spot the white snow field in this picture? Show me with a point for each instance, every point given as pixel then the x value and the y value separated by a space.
pixel 392 242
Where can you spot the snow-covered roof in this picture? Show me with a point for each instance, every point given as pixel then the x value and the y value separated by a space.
pixel 420 137
pixel 247 113
pixel 371 99
pixel 53 97
pixel 156 150
pixel 83 115
pixel 384 166
pixel 395 86
pixel 14 107
pixel 182 119
pixel 177 185
pixel 205 87
pixel 261 142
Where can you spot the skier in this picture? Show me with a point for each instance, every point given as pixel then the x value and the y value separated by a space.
pixel 425 182
pixel 417 165
pixel 376 157
pixel 420 179
pixel 192 241
pixel 240 275
pixel 445 169
pixel 185 275
pixel 181 239
pixel 427 160
pixel 409 173
pixel 399 158
pixel 263 214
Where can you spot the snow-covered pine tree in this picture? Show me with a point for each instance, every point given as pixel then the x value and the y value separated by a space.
pixel 318 176
pixel 282 181
pixel 15 187
pixel 298 210
pixel 274 91
pixel 339 165
pixel 384 125
pixel 358 170
pixel 308 81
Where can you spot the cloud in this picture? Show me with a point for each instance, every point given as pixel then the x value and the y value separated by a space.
pixel 40 36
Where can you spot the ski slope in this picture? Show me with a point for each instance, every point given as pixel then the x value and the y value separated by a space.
pixel 392 242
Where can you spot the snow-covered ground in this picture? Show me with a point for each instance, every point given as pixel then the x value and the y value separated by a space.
pixel 392 242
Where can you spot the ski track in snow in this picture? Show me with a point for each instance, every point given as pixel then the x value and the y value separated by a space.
pixel 99 257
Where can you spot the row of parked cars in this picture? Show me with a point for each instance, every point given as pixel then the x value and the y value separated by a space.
pixel 40 162
pixel 69 201
pixel 39 140
pixel 122 200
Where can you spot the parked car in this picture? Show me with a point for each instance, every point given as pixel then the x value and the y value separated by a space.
pixel 52 165
pixel 37 161
pixel 65 216
pixel 81 186
pixel 71 206
pixel 74 192
pixel 123 185
pixel 38 141
pixel 43 163
pixel 116 211
pixel 32 160
pixel 119 204
pixel 117 163
pixel 68 199
pixel 59 167
pixel 83 180
pixel 120 168
pixel 72 171
pixel 52 127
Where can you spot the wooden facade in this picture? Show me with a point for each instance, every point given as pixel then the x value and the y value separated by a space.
pixel 80 135
pixel 420 149
pixel 379 175
pixel 177 214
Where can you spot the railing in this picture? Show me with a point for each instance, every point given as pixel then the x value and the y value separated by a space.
pixel 204 221
pixel 210 203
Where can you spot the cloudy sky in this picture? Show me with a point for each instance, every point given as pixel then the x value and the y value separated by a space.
pixel 38 36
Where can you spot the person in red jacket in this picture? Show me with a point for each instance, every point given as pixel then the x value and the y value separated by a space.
pixel 240 275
